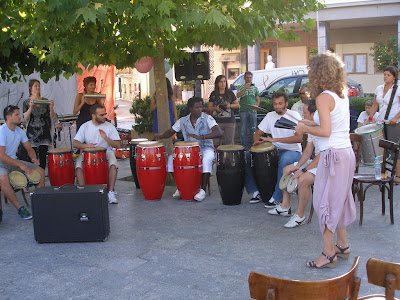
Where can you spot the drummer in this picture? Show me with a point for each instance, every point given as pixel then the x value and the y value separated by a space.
pixel 305 170
pixel 98 133
pixel 200 127
pixel 285 140
pixel 11 135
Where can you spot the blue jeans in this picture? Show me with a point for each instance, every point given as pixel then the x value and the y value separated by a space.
pixel 248 119
pixel 286 157
pixel 249 182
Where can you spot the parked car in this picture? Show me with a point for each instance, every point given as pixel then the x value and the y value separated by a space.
pixel 292 84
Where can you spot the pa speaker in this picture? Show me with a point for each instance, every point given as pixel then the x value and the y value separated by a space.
pixel 183 70
pixel 201 65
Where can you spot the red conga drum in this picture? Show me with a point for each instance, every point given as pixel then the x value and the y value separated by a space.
pixel 95 166
pixel 151 169
pixel 61 166
pixel 188 168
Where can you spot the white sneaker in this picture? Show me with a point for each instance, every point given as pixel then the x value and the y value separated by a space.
pixel 295 221
pixel 272 203
pixel 200 195
pixel 256 199
pixel 176 195
pixel 111 197
pixel 279 211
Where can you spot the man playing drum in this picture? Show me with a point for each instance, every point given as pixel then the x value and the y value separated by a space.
pixel 285 140
pixel 98 133
pixel 200 127
pixel 305 170
pixel 10 138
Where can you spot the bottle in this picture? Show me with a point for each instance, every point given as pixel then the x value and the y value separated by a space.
pixel 377 168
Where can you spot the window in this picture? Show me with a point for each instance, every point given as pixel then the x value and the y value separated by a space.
pixel 355 63
pixel 233 73
pixel 284 85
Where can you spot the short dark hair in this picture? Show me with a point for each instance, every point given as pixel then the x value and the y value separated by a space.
pixel 248 73
pixel 369 103
pixel 193 100
pixel 94 107
pixel 9 110
pixel 311 106
pixel 88 80
pixel 278 94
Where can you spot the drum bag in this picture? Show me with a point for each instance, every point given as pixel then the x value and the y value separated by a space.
pixel 70 214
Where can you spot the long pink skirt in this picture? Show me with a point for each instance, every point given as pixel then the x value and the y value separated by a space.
pixel 333 201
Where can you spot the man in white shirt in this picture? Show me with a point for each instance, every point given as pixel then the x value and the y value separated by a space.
pixel 304 97
pixel 98 133
pixel 285 140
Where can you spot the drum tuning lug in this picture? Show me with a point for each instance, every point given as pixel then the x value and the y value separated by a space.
pixel 143 157
pixel 158 155
pixel 101 159
pixel 60 163
pixel 180 155
pixel 94 162
pixel 187 155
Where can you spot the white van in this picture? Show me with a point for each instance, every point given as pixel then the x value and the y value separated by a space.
pixel 263 78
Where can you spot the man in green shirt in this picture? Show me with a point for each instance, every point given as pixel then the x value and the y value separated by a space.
pixel 248 94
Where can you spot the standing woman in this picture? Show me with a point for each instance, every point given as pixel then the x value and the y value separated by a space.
pixel 82 104
pixel 383 94
pixel 333 200
pixel 173 117
pixel 39 117
pixel 221 104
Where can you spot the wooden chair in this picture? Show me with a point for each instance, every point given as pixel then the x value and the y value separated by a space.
pixel 265 287
pixel 23 196
pixel 384 274
pixel 384 183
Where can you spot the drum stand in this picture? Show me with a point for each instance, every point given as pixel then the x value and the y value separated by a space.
pixel 69 124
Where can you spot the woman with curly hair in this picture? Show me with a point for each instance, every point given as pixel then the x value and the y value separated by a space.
pixel 333 201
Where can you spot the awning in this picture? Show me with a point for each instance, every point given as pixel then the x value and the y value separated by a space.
pixel 229 57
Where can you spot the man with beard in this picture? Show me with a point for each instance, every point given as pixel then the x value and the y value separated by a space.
pixel 98 133
pixel 285 140
pixel 304 97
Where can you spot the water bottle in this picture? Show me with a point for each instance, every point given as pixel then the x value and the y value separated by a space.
pixel 377 168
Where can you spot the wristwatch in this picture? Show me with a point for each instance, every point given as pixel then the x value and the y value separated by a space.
pixel 304 170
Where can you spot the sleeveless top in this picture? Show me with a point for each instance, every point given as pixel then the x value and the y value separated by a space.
pixel 340 124
pixel 171 116
pixel 84 115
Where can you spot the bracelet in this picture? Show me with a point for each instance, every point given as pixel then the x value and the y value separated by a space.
pixel 304 170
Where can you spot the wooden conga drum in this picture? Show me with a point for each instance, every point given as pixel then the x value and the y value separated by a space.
pixel 95 166
pixel 61 166
pixel 132 158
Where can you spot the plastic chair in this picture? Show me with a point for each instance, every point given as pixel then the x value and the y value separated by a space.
pixel 265 287
pixel 384 274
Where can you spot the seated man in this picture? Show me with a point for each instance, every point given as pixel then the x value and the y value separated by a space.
pixel 285 140
pixel 98 133
pixel 10 138
pixel 200 127
pixel 305 172
pixel 304 97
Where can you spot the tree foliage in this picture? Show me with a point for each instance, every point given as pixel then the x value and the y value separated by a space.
pixel 386 53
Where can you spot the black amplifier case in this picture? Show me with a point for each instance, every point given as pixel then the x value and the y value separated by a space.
pixel 70 214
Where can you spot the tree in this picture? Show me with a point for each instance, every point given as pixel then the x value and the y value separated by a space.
pixel 60 33
pixel 386 53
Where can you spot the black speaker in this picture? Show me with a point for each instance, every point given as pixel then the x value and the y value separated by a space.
pixel 70 214
pixel 183 70
pixel 195 68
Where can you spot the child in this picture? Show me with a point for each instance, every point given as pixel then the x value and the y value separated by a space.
pixel 363 117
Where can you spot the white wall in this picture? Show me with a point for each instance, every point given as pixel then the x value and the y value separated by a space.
pixel 292 56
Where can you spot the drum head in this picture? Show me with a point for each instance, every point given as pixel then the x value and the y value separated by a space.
pixel 59 151
pixel 34 177
pixel 369 128
pixel 150 144
pixel 264 147
pixel 230 148
pixel 137 141
pixel 283 183
pixel 186 144
pixel 292 185
pixel 94 149
pixel 18 180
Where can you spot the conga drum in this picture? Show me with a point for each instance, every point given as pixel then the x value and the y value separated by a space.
pixel 188 168
pixel 371 134
pixel 231 170
pixel 151 169
pixel 264 163
pixel 18 180
pixel 95 166
pixel 61 166
pixel 132 159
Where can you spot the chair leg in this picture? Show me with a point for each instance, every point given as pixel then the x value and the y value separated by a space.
pixel 391 203
pixel 383 192
pixel 23 196
pixel 361 195
pixel 311 213
pixel 208 185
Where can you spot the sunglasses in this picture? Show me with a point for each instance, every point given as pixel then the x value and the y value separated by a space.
pixel 302 93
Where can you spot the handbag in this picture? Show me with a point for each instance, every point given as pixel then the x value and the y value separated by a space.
pixel 388 110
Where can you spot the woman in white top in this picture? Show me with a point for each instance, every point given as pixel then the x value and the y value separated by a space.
pixel 333 200
pixel 383 94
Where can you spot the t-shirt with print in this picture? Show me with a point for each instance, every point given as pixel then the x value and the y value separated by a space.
pixel 226 116
pixel 89 133
pixel 11 139
pixel 248 97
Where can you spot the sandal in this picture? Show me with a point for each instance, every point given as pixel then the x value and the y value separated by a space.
pixel 341 254
pixel 330 264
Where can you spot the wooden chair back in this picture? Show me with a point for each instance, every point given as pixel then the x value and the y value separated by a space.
pixel 356 141
pixel 265 287
pixel 389 147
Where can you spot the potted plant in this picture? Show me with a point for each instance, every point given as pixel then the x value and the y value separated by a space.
pixel 143 119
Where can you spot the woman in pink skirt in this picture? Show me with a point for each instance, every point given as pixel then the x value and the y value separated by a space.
pixel 333 201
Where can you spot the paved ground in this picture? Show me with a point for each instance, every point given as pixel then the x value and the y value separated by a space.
pixel 171 249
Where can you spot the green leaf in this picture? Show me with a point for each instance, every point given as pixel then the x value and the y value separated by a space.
pixel 141 12
pixel 165 7
pixel 214 16
pixel 88 14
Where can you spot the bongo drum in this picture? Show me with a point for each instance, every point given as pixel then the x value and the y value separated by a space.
pixel 264 164
pixel 292 185
pixel 95 166
pixel 33 178
pixel 284 181
pixel 188 168
pixel 231 170
pixel 61 166
pixel 18 180
pixel 132 159
pixel 151 168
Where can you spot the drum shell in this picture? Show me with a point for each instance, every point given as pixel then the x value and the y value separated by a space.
pixel 231 169
pixel 151 171
pixel 95 167
pixel 265 171
pixel 132 160
pixel 371 134
pixel 61 168
pixel 188 170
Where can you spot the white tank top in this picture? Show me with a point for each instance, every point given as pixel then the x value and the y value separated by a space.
pixel 340 124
